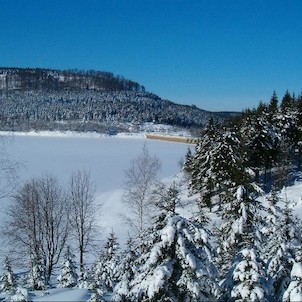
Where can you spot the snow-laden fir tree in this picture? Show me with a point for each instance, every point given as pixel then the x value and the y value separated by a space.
pixel 21 295
pixel 239 209
pixel 8 280
pixel 177 263
pixel 105 270
pixel 37 277
pixel 200 167
pixel 188 161
pixel 246 277
pixel 282 241
pixel 239 254
pixel 126 271
pixel 260 140
pixel 85 280
pixel 68 276
pixel 294 291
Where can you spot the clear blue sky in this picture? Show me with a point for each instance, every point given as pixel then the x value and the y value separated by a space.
pixel 216 54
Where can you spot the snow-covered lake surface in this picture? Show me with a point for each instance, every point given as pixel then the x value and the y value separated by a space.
pixel 106 158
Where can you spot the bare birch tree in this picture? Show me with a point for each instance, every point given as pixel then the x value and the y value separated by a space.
pixel 138 183
pixel 83 212
pixel 38 221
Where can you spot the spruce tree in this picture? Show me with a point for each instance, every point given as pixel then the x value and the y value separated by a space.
pixel 127 270
pixel 176 265
pixel 276 252
pixel 246 278
pixel 200 167
pixel 37 279
pixel 294 291
pixel 68 276
pixel 260 139
pixel 240 249
pixel 105 271
pixel 273 106
pixel 21 295
pixel 85 280
pixel 8 280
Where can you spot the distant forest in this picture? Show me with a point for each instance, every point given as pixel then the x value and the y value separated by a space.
pixel 42 99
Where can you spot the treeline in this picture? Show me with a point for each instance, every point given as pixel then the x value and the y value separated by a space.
pixel 60 80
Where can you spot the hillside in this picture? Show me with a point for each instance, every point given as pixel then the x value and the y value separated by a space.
pixel 44 99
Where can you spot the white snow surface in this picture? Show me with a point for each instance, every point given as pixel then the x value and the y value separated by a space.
pixel 63 294
pixel 107 158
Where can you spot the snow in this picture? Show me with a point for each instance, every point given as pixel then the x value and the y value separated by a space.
pixel 106 158
pixel 296 272
pixel 64 294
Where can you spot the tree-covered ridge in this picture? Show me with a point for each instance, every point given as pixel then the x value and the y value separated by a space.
pixel 60 80
pixel 41 99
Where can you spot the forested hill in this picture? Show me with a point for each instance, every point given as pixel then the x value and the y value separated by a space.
pixel 44 99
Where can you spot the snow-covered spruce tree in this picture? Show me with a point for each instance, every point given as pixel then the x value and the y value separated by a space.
pixel 281 244
pixel 85 280
pixel 241 238
pixel 294 291
pixel 200 167
pixel 37 276
pixel 286 121
pixel 105 271
pixel 187 165
pixel 260 139
pixel 237 195
pixel 68 276
pixel 176 265
pixel 21 295
pixel 246 277
pixel 126 271
pixel 8 280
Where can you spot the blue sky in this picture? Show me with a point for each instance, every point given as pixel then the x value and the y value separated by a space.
pixel 216 54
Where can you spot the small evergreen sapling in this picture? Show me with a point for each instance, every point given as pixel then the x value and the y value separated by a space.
pixel 85 280
pixel 68 276
pixel 8 279
pixel 105 270
pixel 37 279
pixel 247 278
pixel 127 270
pixel 21 295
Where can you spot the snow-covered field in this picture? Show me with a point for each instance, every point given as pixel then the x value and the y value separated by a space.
pixel 105 157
